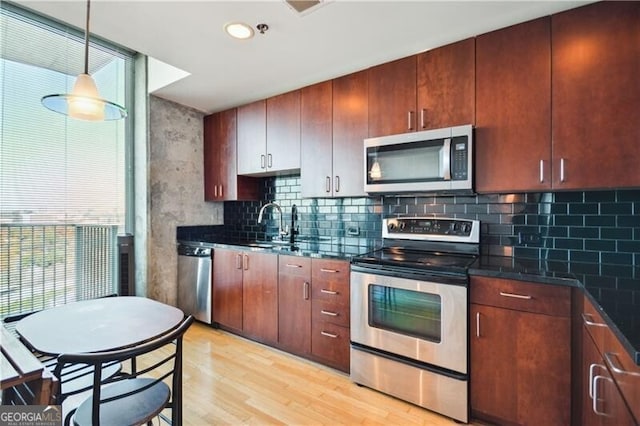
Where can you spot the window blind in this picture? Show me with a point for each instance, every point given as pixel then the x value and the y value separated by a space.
pixel 62 181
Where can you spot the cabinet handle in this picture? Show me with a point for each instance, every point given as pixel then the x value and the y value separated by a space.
pixel 541 171
pixel 215 191
pixel 305 290
pixel 595 395
pixel 477 324
pixel 238 261
pixel 515 296
pixel 331 314
pixel 588 320
pixel 269 161
pixel 326 334
pixel 331 271
pixel 327 185
pixel 293 265
pixel 422 120
pixel 410 120
pixel 592 367
pixel 262 162
pixel 325 291
pixel 615 366
pixel 221 191
pixel 337 184
pixel 562 170
pixel 245 262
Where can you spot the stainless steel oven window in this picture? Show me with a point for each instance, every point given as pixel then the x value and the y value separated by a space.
pixel 407 312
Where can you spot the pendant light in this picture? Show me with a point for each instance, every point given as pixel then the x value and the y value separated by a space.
pixel 84 102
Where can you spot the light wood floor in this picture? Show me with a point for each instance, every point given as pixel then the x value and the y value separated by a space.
pixel 229 380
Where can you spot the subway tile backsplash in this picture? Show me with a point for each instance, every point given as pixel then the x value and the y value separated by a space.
pixel 594 236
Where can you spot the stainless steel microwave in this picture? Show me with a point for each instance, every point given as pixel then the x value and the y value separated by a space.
pixel 439 160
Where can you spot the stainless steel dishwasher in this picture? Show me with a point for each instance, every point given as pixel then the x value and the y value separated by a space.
pixel 194 281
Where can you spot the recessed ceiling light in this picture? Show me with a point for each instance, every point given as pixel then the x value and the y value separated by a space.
pixel 239 30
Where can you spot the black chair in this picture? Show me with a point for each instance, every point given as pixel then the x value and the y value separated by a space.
pixel 134 397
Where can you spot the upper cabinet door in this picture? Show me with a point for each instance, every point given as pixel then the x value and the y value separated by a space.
pixel 350 124
pixel 283 132
pixel 392 97
pixel 446 86
pixel 513 108
pixel 316 171
pixel 252 138
pixel 596 96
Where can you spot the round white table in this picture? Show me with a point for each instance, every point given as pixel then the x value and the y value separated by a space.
pixel 97 325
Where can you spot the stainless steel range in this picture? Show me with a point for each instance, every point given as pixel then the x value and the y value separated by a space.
pixel 409 321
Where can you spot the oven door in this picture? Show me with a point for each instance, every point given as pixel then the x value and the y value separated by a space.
pixel 423 320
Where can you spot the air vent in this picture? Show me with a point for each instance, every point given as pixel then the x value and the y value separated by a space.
pixel 303 7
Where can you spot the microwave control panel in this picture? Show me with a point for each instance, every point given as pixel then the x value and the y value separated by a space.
pixel 459 158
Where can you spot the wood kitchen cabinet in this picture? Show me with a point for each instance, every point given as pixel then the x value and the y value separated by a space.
pixel 610 379
pixel 330 317
pixel 294 300
pixel 520 352
pixel 430 90
pixel 334 124
pixel 221 179
pixel 252 138
pixel 350 128
pixel 227 289
pixel 245 293
pixel 446 86
pixel 269 136
pixel 283 133
pixel 260 296
pixel 513 108
pixel 316 141
pixel 392 97
pixel 596 96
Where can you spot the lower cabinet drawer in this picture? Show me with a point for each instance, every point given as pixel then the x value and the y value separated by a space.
pixel 331 343
pixel 330 312
pixel 521 296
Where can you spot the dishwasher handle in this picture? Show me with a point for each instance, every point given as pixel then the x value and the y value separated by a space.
pixel 193 250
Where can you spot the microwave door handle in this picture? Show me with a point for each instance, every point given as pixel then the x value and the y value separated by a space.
pixel 446 159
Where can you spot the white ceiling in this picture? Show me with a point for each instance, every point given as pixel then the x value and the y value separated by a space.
pixel 335 39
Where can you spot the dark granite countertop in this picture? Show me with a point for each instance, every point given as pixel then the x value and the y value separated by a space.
pixel 615 304
pixel 608 293
pixel 316 248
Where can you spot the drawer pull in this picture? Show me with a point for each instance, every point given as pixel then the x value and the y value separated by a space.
pixel 477 324
pixel 331 271
pixel 609 357
pixel 595 395
pixel 515 296
pixel 305 290
pixel 292 265
pixel 592 368
pixel 325 291
pixel 588 320
pixel 331 314
pixel 327 334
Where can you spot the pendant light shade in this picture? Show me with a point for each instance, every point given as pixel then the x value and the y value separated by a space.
pixel 84 101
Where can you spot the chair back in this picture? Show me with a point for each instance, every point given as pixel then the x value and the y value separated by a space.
pixel 159 365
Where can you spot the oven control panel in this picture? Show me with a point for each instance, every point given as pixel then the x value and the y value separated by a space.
pixel 432 229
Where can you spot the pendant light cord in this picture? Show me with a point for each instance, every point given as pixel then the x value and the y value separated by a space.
pixel 86 42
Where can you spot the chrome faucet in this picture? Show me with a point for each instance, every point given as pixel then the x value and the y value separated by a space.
pixel 282 231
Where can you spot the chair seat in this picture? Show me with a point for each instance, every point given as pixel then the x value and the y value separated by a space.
pixel 134 409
